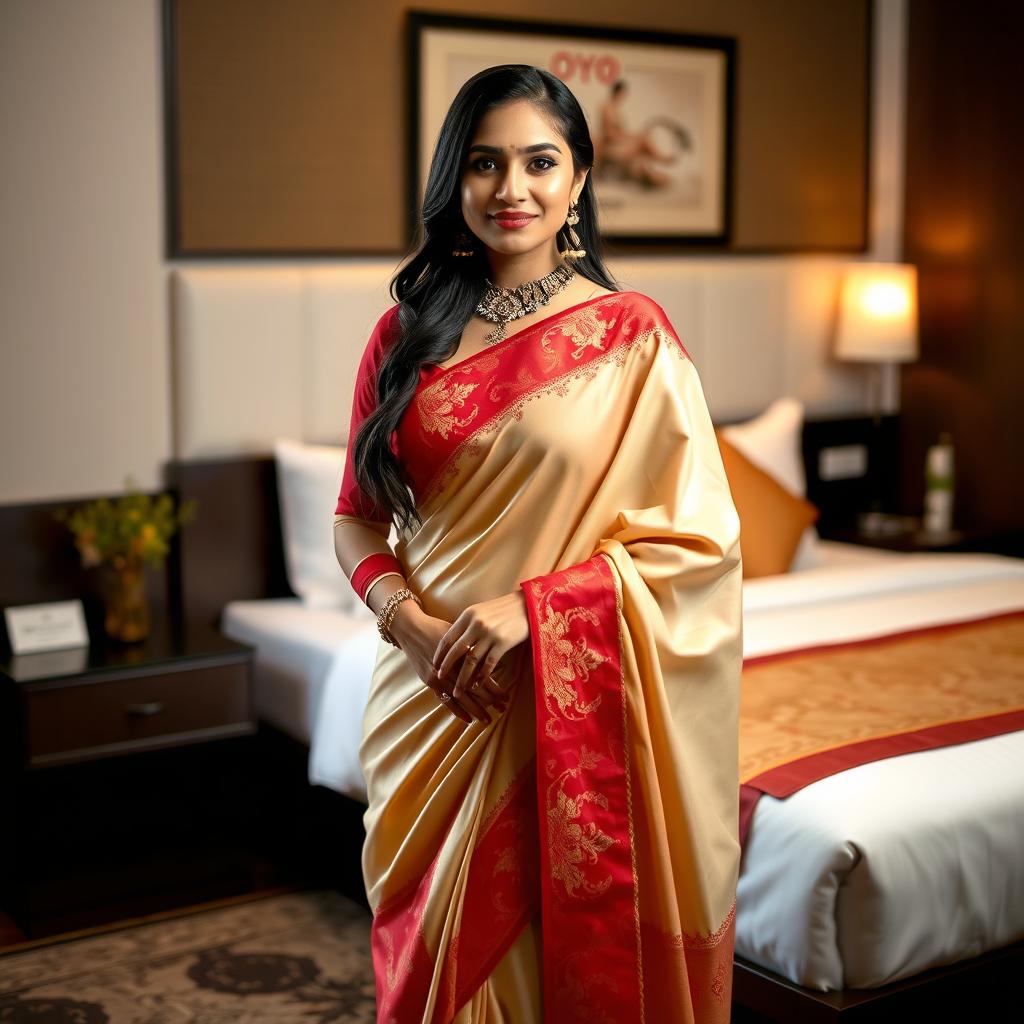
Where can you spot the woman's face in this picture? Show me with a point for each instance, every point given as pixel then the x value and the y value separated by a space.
pixel 517 163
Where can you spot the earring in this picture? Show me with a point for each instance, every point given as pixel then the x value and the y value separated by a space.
pixel 578 252
pixel 462 240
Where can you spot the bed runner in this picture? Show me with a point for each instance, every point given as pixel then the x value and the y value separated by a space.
pixel 816 711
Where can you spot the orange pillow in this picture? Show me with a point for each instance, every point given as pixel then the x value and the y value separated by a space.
pixel 772 518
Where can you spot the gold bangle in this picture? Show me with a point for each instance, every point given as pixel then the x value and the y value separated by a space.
pixel 393 611
pixel 388 610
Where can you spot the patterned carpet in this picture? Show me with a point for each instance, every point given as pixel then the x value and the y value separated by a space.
pixel 290 958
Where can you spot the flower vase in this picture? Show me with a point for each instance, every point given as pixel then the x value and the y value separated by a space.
pixel 127 606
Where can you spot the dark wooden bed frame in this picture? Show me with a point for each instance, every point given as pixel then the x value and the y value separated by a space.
pixel 234 551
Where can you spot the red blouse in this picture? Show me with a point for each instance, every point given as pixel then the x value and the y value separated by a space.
pixel 406 440
pixel 352 501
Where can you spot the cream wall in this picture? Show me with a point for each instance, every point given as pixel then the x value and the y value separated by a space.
pixel 85 377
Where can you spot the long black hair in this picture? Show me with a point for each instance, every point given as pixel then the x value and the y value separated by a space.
pixel 437 292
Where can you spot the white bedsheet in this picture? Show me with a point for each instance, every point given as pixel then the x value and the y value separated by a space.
pixel 867 876
pixel 296 649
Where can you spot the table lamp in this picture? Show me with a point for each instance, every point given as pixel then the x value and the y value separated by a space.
pixel 878 324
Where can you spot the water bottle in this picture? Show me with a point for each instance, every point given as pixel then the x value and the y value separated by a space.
pixel 938 478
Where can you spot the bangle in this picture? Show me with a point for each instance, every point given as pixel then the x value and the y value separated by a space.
pixel 388 610
pixel 377 579
pixel 371 568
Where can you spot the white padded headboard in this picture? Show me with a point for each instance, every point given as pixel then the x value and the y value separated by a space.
pixel 266 352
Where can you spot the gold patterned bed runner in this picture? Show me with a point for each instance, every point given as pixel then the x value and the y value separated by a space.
pixel 809 713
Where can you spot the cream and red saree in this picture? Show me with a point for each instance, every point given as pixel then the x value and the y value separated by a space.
pixel 577 858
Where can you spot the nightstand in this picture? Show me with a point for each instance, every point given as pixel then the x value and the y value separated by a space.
pixel 904 533
pixel 126 767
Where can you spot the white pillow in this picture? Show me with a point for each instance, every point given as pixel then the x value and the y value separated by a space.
pixel 772 442
pixel 308 482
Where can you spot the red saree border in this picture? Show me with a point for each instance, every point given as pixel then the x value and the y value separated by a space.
pixel 590 922
pixel 402 964
pixel 501 890
pixel 499 900
pixel 785 779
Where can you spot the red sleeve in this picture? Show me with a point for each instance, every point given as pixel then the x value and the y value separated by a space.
pixel 351 499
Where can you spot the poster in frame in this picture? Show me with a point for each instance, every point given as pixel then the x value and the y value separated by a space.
pixel 658 104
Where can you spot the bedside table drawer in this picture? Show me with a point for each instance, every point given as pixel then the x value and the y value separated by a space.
pixel 115 715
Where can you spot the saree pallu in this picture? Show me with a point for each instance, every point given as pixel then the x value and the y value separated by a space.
pixel 577 858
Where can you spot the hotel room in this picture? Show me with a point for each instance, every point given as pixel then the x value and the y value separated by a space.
pixel 206 205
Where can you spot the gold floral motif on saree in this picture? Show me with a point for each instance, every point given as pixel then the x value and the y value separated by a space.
pixel 583 328
pixel 718 981
pixel 395 971
pixel 585 991
pixel 509 862
pixel 566 662
pixel 436 406
pixel 498 389
pixel 571 842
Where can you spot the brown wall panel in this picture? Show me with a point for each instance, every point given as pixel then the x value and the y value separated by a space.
pixel 288 128
pixel 964 220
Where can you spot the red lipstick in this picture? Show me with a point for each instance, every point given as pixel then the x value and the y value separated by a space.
pixel 511 220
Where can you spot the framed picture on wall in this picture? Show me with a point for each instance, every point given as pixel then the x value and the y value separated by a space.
pixel 659 107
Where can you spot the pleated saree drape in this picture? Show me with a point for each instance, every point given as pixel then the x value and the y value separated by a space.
pixel 577 858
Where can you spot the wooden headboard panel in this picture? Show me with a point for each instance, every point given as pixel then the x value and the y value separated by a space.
pixel 234 549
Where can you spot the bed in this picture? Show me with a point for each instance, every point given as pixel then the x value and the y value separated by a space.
pixel 837 880
pixel 867 893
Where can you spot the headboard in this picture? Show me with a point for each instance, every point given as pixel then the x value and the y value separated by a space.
pixel 261 353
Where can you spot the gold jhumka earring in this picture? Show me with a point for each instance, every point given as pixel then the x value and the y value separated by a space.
pixel 578 252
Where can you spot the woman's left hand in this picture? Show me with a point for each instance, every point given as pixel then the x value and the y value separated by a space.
pixel 492 629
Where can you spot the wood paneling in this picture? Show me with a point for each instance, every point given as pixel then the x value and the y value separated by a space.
pixel 287 127
pixel 964 221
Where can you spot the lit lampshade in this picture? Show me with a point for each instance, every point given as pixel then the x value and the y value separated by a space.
pixel 878 313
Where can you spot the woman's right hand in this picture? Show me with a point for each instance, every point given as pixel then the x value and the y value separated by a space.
pixel 418 634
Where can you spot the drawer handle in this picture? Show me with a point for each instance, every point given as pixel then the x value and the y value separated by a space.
pixel 152 707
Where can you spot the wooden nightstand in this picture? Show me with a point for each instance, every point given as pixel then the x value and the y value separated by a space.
pixel 125 767
pixel 905 534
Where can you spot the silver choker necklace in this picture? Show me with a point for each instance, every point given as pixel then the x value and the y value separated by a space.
pixel 503 305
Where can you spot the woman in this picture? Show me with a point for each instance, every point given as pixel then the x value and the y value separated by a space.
pixel 550 741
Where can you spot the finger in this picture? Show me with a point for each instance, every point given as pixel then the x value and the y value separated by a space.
pixel 494 700
pixel 490 686
pixel 471 665
pixel 491 697
pixel 455 642
pixel 439 652
pixel 489 658
pixel 473 710
pixel 443 646
pixel 454 707
pixel 475 707
pixel 455 651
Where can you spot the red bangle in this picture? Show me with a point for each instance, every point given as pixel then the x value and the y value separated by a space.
pixel 370 569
